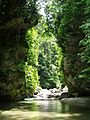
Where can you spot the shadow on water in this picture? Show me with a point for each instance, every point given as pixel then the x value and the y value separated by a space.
pixel 18 105
pixel 42 110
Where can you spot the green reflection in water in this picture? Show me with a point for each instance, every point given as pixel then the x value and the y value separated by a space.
pixel 42 110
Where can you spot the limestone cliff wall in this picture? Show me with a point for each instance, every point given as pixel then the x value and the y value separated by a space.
pixel 13 26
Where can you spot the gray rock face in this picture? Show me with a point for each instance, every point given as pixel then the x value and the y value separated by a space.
pixel 12 51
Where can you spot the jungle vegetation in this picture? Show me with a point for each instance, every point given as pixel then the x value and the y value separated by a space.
pixel 44 50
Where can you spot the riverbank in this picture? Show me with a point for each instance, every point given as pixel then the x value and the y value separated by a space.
pixel 77 101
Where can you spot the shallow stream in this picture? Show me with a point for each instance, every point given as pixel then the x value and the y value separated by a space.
pixel 42 110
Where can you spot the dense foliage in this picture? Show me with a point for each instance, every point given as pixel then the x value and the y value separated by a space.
pixel 31 73
pixel 49 63
pixel 70 26
pixel 43 60
pixel 69 21
pixel 85 43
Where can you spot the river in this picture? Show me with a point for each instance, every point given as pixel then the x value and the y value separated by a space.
pixel 42 110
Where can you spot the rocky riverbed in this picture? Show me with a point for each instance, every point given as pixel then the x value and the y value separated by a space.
pixel 45 94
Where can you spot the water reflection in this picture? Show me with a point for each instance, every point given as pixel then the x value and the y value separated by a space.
pixel 42 110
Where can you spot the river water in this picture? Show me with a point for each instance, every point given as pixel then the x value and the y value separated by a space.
pixel 42 110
